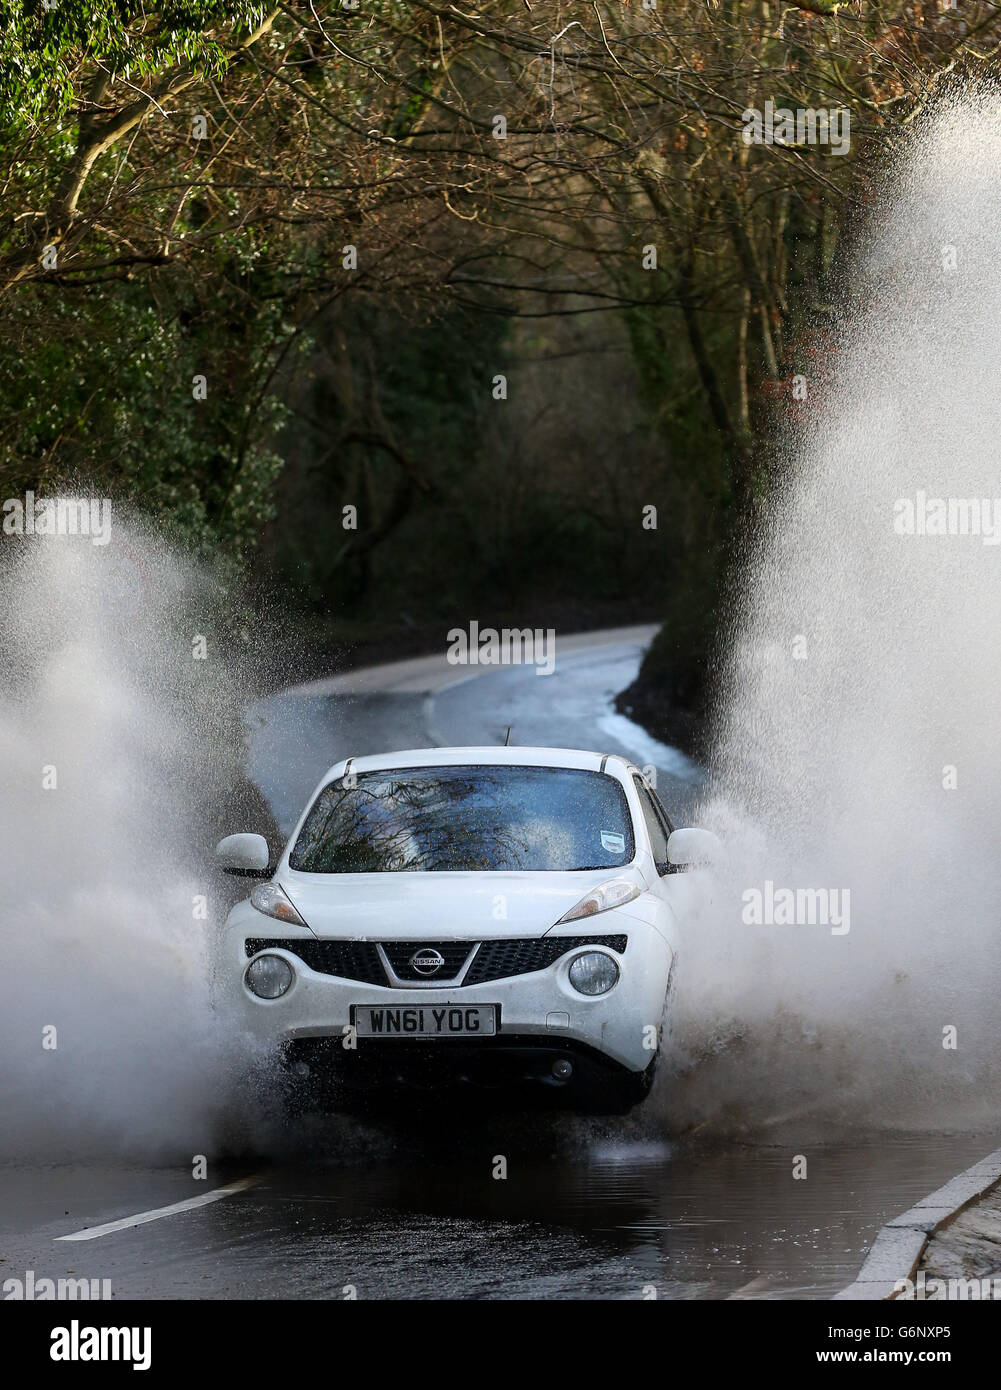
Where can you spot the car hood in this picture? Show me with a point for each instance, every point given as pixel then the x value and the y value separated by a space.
pixel 378 907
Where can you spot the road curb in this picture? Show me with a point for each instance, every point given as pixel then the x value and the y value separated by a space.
pixel 897 1249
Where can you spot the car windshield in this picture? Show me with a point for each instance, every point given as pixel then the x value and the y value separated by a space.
pixel 467 818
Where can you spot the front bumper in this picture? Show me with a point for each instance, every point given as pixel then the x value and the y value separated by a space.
pixel 565 1075
pixel 539 1009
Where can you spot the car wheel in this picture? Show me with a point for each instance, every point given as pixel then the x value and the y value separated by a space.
pixel 623 1094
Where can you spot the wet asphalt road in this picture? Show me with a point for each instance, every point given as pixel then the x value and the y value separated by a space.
pixel 596 1213
pixel 297 735
pixel 605 1210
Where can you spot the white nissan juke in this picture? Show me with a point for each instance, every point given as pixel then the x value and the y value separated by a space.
pixel 497 919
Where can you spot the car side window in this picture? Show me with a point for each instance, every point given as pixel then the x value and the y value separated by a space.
pixel 660 809
pixel 657 824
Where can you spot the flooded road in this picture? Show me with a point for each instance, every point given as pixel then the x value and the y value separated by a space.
pixel 627 1219
pixel 399 1216
pixel 449 1206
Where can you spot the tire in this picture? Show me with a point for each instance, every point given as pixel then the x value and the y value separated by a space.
pixel 625 1093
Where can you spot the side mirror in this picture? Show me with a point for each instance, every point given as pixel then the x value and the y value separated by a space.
pixel 247 856
pixel 693 848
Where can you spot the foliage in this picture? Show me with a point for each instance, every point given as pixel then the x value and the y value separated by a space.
pixel 45 45
pixel 182 184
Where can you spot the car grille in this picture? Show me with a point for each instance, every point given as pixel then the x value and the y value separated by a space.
pixel 454 953
pixel 495 960
pixel 351 960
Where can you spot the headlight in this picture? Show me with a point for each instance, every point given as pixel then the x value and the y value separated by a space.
pixel 611 894
pixel 593 973
pixel 269 899
pixel 269 977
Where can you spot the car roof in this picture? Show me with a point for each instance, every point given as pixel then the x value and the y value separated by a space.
pixel 489 755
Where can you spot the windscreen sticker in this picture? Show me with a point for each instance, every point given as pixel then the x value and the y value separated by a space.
pixel 612 841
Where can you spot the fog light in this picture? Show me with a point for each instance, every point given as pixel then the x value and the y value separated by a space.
pixel 593 973
pixel 562 1069
pixel 269 977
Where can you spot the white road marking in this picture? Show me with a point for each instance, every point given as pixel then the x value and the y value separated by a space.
pixel 216 1195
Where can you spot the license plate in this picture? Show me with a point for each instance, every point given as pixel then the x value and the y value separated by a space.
pixel 425 1020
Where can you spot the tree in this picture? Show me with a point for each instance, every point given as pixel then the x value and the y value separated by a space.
pixel 199 188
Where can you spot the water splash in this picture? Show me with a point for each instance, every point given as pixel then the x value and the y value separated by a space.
pixel 116 744
pixel 863 683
